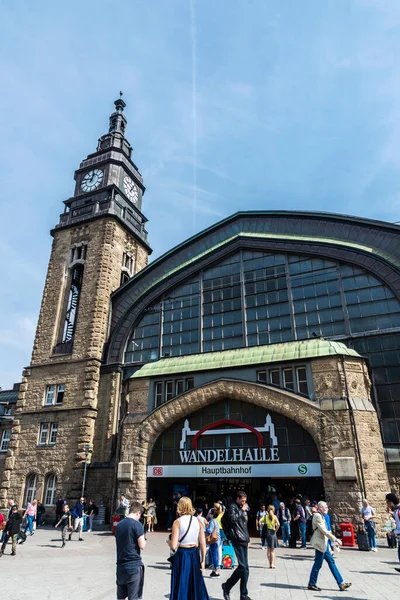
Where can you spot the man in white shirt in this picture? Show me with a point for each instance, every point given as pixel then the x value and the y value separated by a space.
pixel 319 541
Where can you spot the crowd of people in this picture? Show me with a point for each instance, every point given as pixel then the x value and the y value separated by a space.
pixel 15 526
pixel 196 532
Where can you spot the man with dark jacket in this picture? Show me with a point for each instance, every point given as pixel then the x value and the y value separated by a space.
pixel 12 530
pixel 235 528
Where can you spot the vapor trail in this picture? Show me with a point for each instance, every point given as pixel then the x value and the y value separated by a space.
pixel 194 108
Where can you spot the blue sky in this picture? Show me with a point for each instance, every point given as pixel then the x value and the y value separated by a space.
pixel 231 105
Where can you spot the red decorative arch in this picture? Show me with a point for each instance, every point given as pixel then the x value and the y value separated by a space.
pixel 195 440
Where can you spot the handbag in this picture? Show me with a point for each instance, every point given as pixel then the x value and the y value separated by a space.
pixel 2 526
pixel 171 558
pixel 212 537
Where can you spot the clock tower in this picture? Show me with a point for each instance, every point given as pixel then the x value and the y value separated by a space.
pixel 109 182
pixel 68 405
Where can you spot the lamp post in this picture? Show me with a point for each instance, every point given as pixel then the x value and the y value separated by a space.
pixel 87 450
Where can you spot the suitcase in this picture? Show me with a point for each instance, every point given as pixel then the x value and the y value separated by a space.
pixel 228 555
pixel 362 540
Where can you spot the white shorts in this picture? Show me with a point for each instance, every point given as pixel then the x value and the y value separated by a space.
pixel 78 523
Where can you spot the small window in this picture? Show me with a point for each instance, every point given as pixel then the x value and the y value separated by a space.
pixel 274 377
pixel 262 376
pixel 8 411
pixel 50 394
pixel 179 387
pixel 302 380
pixel 60 393
pixel 51 486
pixel 189 383
pixel 124 277
pixel 53 433
pixel 159 393
pixel 169 390
pixel 288 380
pixel 5 440
pixel 54 394
pixel 78 252
pixel 30 488
pixel 43 433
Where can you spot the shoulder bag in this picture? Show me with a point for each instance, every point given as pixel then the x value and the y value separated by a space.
pixel 171 558
pixel 212 538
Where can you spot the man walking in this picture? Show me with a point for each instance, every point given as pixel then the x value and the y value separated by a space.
pixel 79 514
pixel 301 519
pixel 319 541
pixel 129 537
pixel 393 505
pixel 234 523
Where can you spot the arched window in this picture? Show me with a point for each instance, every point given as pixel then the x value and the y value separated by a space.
pixel 73 302
pixel 30 488
pixel 50 490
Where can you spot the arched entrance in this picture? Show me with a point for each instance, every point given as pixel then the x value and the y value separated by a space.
pixel 230 445
pixel 326 429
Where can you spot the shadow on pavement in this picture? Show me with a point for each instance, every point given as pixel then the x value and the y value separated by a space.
pixel 305 557
pixel 374 572
pixel 49 546
pixel 285 586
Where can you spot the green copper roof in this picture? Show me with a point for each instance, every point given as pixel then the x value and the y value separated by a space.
pixel 245 356
pixel 281 237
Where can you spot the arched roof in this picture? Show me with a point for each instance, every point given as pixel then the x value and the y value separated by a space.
pixel 374 245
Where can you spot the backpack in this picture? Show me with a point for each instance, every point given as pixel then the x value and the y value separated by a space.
pixel 226 525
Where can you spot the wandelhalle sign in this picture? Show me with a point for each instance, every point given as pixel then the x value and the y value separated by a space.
pixel 261 460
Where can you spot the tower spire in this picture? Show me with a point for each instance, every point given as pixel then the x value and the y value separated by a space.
pixel 117 118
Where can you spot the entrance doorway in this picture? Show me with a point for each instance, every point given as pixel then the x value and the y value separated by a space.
pixel 204 492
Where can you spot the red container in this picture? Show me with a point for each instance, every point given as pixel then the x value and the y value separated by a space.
pixel 115 520
pixel 348 538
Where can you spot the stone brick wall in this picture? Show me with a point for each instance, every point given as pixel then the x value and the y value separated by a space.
pixel 329 421
pixel 106 242
pixel 89 413
pixel 394 477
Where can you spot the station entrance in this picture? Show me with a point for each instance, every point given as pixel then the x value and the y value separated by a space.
pixel 205 492
pixel 229 446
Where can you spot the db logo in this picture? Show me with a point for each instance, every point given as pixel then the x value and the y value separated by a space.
pixel 157 471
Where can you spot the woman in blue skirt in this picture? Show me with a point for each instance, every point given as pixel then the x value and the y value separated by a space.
pixel 187 536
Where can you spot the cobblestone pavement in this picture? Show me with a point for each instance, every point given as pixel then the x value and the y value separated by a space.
pixel 42 570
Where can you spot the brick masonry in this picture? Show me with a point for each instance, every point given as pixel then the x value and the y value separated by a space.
pixel 88 415
pixel 339 384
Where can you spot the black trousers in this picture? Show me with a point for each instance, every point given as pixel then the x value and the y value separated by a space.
pixel 241 572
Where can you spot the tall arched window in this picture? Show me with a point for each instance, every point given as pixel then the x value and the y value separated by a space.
pixel 50 490
pixel 30 488
pixel 73 302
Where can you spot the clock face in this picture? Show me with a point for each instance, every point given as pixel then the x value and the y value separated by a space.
pixel 131 189
pixel 91 180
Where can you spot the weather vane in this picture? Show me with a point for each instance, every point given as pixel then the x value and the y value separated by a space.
pixel 121 94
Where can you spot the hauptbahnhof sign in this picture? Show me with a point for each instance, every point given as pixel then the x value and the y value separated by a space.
pixel 229 447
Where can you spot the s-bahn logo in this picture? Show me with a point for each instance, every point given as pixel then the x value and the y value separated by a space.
pixel 227 427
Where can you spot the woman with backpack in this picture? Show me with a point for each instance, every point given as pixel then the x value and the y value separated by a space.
pixel 213 541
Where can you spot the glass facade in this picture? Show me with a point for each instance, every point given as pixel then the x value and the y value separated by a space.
pixel 257 298
pixel 295 443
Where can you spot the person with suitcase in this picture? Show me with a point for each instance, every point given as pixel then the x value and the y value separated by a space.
pixel 319 541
